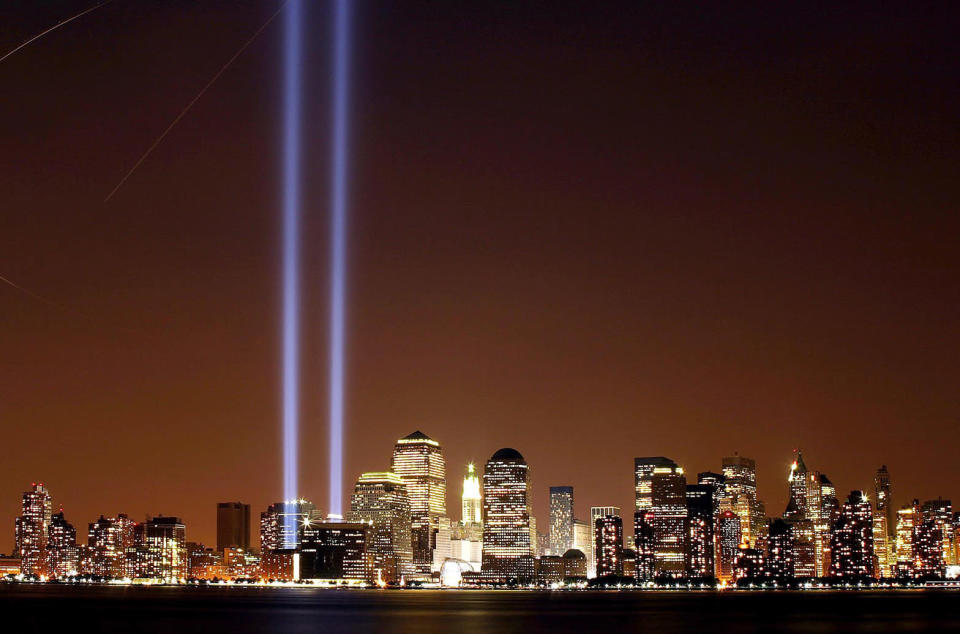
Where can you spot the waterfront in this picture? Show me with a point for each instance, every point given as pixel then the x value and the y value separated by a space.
pixel 193 609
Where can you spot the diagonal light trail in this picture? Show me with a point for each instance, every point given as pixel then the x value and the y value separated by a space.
pixel 31 293
pixel 54 28
pixel 192 102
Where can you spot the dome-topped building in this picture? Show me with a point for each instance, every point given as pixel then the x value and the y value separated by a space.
pixel 506 517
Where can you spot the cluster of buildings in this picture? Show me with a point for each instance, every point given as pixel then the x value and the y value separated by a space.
pixel 398 531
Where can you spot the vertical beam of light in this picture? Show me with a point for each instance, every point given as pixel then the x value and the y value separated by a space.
pixel 338 247
pixel 292 63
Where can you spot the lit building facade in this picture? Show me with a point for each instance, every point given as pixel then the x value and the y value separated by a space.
pixel 700 523
pixel 608 545
pixel 107 542
pixel 561 519
pixel 822 511
pixel 583 542
pixel 31 530
pixel 506 517
pixel 728 541
pixel 466 538
pixel 380 499
pixel 335 550
pixel 62 554
pixel 280 524
pixel 644 546
pixel 884 562
pixel 940 512
pixel 798 516
pixel 471 500
pixel 233 525
pixel 164 545
pixel 852 539
pixel 661 487
pixel 908 519
pixel 779 559
pixel 740 496
pixel 418 460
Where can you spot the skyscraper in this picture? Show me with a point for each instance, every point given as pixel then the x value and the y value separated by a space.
pixel 779 560
pixel 335 550
pixel 418 460
pixel 608 545
pixel 381 500
pixel 644 546
pixel 928 549
pixel 908 519
pixel 233 525
pixel 31 528
pixel 852 539
pixel 506 517
pixel 466 538
pixel 583 541
pixel 471 500
pixel 164 539
pixel 561 519
pixel 728 543
pixel 940 512
pixel 740 496
pixel 700 514
pixel 797 515
pixel 822 510
pixel 797 505
pixel 280 524
pixel 107 542
pixel 61 547
pixel 884 500
pixel 661 487
pixel 882 546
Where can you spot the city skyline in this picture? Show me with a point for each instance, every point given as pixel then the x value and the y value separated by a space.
pixel 397 532
pixel 659 495
pixel 679 231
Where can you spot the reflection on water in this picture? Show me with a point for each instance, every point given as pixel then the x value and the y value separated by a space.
pixel 210 610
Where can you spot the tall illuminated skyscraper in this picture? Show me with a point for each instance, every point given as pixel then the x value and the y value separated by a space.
pixel 740 496
pixel 728 541
pixel 884 500
pixel 852 539
pixel 380 499
pixel 881 546
pixel 418 460
pixel 797 505
pixel 506 517
pixel 940 513
pixel 31 530
pixel 908 519
pixel 796 514
pixel 61 547
pixel 561 519
pixel 822 511
pixel 466 538
pixel 700 523
pixel 661 487
pixel 583 541
pixel 471 500
pixel 608 545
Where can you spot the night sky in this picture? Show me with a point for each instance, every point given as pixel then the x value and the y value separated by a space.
pixel 589 231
